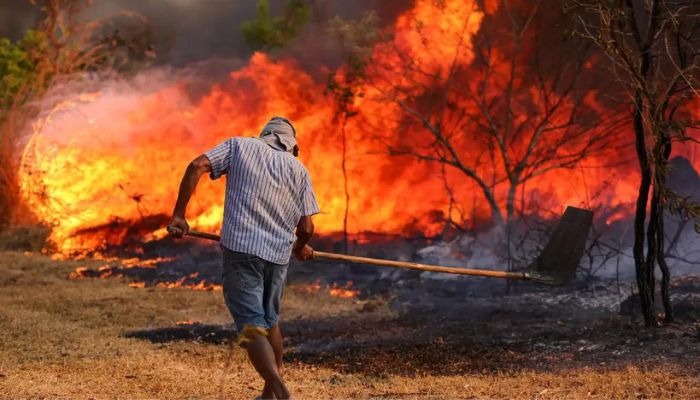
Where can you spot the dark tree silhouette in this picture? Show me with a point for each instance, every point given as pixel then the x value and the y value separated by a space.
pixel 653 46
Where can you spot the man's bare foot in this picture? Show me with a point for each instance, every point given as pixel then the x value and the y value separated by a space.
pixel 267 393
pixel 262 357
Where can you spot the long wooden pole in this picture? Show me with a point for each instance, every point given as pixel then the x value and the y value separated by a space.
pixel 321 255
pixel 422 267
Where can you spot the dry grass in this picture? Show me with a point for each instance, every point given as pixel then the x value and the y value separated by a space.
pixel 63 338
pixel 24 238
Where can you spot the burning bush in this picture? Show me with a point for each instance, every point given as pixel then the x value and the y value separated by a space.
pixel 59 49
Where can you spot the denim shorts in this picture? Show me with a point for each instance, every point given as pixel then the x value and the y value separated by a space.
pixel 253 289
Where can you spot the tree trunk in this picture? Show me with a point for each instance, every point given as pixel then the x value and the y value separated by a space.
pixel 641 267
pixel 665 273
pixel 644 268
pixel 661 170
pixel 510 211
pixel 652 233
pixel 9 178
pixel 496 214
pixel 345 185
pixel 510 201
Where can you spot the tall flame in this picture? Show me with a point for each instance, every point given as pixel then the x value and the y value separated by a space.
pixel 117 153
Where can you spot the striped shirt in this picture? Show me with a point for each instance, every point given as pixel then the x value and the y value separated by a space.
pixel 267 192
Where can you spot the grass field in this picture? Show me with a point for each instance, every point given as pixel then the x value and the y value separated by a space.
pixel 69 339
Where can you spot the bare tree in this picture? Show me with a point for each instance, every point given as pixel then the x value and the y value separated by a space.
pixel 653 46
pixel 357 39
pixel 502 111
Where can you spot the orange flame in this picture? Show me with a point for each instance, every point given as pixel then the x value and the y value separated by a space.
pixel 314 287
pixel 108 271
pixel 344 292
pixel 188 322
pixel 181 284
pixel 80 272
pixel 116 155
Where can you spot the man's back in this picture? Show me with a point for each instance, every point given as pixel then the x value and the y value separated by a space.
pixel 268 195
pixel 267 191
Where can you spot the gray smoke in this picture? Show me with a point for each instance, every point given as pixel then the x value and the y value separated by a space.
pixel 183 31
pixel 15 17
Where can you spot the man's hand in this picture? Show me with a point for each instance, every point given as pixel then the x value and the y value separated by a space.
pixel 305 229
pixel 201 165
pixel 178 227
pixel 304 253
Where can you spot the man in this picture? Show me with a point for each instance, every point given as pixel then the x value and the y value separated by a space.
pixel 268 196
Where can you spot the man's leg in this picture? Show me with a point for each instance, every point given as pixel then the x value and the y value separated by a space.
pixel 262 356
pixel 243 283
pixel 275 339
pixel 274 279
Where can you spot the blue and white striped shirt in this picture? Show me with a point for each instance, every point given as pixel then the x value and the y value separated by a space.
pixel 267 192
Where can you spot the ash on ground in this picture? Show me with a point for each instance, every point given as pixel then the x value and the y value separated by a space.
pixel 405 321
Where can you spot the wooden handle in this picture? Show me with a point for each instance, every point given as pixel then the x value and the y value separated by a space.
pixel 321 255
pixel 204 235
pixel 422 267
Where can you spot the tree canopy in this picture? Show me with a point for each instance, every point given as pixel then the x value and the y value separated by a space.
pixel 266 32
pixel 18 66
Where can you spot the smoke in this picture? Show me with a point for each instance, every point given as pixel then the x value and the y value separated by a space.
pixel 183 31
pixel 188 30
pixel 152 123
pixel 15 18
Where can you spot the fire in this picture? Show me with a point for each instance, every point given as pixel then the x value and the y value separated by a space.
pixel 314 287
pixel 344 292
pixel 116 268
pixel 181 284
pixel 101 161
pixel 102 272
pixel 79 272
pixel 188 322
pixel 105 271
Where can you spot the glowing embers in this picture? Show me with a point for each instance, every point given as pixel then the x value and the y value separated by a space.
pixel 345 291
pixel 128 270
pixel 183 283
pixel 313 287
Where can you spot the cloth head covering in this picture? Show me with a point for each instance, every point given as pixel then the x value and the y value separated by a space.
pixel 279 134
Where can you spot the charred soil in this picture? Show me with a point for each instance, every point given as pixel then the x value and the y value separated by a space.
pixel 404 337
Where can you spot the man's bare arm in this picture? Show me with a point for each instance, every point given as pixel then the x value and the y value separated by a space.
pixel 304 232
pixel 201 165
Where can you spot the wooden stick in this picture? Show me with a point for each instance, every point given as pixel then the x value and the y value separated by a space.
pixel 422 267
pixel 204 235
pixel 321 255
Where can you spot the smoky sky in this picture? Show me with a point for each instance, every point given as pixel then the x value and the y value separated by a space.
pixel 183 31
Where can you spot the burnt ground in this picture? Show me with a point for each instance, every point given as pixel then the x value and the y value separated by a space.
pixel 511 333
pixel 406 335
pixel 407 323
pixel 503 341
